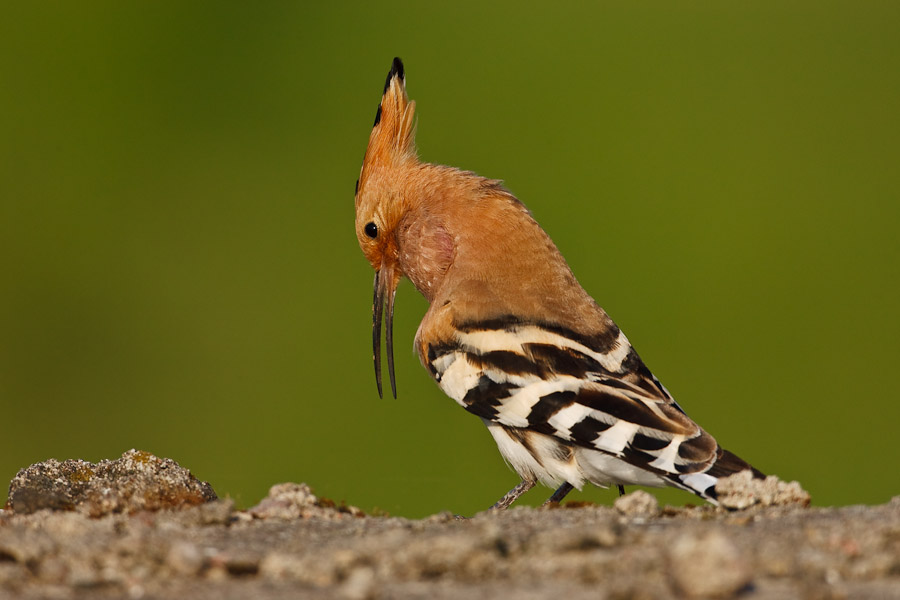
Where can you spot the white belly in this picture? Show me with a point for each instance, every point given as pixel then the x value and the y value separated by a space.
pixel 548 460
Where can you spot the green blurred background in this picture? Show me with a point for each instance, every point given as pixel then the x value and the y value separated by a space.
pixel 179 271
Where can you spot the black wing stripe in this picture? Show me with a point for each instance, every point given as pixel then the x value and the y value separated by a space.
pixel 586 431
pixel 548 406
pixel 485 398
pixel 564 361
pixel 601 342
pixel 647 443
pixel 620 407
pixel 510 363
pixel 540 360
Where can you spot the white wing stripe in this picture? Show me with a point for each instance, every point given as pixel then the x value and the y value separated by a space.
pixel 666 459
pixel 616 437
pixel 514 410
pixel 495 340
pixel 567 417
pixel 458 377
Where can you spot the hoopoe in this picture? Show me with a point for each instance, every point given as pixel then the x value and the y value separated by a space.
pixel 510 334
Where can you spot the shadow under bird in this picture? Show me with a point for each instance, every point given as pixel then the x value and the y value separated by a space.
pixel 510 334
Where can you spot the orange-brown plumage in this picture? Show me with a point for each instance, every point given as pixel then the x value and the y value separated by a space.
pixel 510 334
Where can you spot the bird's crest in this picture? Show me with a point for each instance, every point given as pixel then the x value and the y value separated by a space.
pixel 392 140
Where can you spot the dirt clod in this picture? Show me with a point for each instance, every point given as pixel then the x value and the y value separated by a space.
pixel 742 490
pixel 137 481
pixel 296 501
pixel 637 503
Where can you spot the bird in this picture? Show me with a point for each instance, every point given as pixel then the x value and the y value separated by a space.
pixel 510 334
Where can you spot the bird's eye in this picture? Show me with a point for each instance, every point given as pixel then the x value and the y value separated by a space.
pixel 371 230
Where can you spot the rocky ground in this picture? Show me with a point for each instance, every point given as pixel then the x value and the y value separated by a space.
pixel 143 527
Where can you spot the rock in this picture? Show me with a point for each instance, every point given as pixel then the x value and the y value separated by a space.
pixel 138 481
pixel 709 566
pixel 742 490
pixel 185 558
pixel 637 504
pixel 359 585
pixel 289 501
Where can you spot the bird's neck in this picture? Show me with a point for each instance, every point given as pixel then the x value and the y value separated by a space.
pixel 469 242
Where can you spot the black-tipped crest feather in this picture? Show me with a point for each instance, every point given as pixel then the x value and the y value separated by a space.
pixel 396 71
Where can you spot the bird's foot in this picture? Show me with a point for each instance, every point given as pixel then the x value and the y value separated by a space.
pixel 559 494
pixel 512 495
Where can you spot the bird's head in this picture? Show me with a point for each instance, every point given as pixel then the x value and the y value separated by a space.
pixel 382 203
pixel 446 230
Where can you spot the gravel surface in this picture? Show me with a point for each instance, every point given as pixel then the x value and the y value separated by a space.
pixel 294 544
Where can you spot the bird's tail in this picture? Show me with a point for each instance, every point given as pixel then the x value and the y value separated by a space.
pixel 704 483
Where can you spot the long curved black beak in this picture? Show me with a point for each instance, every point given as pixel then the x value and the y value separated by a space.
pixel 385 287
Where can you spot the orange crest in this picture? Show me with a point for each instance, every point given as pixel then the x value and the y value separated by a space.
pixel 392 141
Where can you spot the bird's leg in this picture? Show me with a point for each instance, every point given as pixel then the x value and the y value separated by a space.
pixel 621 490
pixel 559 494
pixel 513 495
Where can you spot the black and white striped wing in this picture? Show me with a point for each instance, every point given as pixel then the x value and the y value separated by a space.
pixel 544 379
